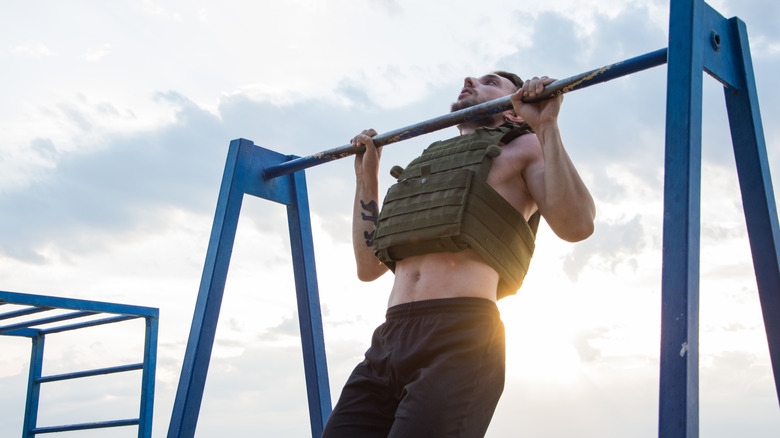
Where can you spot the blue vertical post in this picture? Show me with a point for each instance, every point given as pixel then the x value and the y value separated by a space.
pixel 33 387
pixel 679 374
pixel 147 377
pixel 758 198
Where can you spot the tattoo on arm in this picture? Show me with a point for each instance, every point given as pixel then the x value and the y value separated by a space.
pixel 373 209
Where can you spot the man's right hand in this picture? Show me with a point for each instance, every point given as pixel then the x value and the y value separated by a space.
pixel 366 162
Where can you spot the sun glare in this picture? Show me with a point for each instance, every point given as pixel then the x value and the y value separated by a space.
pixel 539 348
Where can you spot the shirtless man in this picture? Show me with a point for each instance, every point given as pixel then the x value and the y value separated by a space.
pixel 436 366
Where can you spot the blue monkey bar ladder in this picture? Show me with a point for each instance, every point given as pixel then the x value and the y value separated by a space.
pixel 35 316
pixel 700 39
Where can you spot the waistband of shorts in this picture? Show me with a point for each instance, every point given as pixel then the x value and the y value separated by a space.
pixel 470 305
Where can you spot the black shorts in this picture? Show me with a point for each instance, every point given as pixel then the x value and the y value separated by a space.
pixel 434 369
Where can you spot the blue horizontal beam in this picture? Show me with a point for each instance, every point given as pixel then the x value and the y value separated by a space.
pixel 24 312
pixel 96 322
pixel 42 321
pixel 85 426
pixel 23 333
pixel 90 373
pixel 41 303
pixel 75 304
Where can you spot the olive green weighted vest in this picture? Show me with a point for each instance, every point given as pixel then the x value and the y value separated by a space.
pixel 443 203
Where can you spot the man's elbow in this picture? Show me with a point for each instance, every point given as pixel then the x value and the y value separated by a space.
pixel 362 275
pixel 576 229
pixel 370 273
pixel 580 232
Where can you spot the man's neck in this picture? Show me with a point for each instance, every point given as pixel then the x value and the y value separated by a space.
pixel 489 122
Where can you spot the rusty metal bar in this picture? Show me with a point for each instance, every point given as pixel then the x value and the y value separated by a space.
pixel 593 77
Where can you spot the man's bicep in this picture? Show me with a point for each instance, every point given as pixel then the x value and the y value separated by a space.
pixel 532 169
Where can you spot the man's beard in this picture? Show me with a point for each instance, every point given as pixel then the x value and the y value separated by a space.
pixel 464 103
pixel 468 102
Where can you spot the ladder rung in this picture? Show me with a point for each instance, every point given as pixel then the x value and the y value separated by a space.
pixel 27 324
pixel 24 312
pixel 93 323
pixel 96 372
pixel 84 426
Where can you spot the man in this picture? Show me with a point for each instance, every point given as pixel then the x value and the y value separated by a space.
pixel 435 368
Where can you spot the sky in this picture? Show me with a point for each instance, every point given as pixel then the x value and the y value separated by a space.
pixel 114 127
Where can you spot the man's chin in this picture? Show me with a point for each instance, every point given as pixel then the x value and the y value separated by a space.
pixel 462 104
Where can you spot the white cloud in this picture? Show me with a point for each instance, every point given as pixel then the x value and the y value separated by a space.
pixel 95 54
pixel 37 50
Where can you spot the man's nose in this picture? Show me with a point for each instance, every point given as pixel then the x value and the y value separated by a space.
pixel 469 82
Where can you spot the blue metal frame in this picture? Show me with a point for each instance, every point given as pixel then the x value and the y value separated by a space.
pixel 33 329
pixel 700 40
pixel 243 175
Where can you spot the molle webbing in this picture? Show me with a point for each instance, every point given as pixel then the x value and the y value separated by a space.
pixel 442 202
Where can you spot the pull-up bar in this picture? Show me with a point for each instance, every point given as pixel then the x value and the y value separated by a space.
pixel 593 77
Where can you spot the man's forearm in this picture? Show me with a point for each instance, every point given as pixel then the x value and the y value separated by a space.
pixel 568 203
pixel 364 219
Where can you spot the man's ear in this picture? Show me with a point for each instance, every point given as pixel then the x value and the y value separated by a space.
pixel 510 116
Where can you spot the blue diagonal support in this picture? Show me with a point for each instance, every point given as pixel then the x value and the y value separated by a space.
pixel 197 356
pixel 758 198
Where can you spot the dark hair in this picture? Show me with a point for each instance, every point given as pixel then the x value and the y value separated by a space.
pixel 513 78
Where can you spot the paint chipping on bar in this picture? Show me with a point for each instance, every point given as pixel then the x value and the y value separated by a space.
pixel 574 85
pixel 684 349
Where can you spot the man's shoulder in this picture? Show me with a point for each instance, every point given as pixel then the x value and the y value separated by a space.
pixel 516 157
pixel 524 147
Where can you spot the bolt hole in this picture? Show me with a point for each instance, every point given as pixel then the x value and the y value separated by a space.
pixel 715 39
